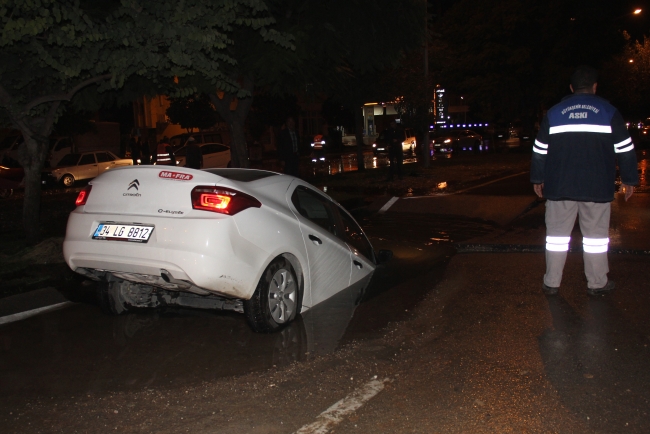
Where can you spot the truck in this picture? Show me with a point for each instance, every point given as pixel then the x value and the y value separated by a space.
pixel 105 137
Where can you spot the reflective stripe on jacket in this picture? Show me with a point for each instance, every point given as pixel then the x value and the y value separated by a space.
pixel 576 149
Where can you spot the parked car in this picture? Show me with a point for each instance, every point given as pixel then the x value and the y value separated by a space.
pixel 380 146
pixel 12 178
pixel 446 141
pixel 180 140
pixel 215 155
pixel 87 165
pixel 9 148
pixel 251 241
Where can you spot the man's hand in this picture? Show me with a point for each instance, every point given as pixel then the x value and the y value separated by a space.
pixel 539 189
pixel 628 190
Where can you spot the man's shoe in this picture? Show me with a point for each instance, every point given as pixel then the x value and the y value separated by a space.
pixel 550 290
pixel 604 290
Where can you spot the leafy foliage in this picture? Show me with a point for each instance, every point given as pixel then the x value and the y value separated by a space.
pixel 192 112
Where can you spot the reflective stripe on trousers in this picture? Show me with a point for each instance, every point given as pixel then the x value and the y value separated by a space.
pixel 595 245
pixel 557 244
pixel 594 225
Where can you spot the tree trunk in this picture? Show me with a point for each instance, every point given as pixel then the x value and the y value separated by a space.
pixel 236 120
pixel 358 126
pixel 32 155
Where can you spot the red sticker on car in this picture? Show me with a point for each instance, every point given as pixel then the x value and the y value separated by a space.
pixel 175 175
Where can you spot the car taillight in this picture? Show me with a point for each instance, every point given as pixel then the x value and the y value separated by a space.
pixel 222 200
pixel 82 198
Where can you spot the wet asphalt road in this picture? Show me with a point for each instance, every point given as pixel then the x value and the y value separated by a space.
pixel 481 348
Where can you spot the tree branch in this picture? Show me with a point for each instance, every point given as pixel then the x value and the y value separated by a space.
pixel 65 96
pixel 5 97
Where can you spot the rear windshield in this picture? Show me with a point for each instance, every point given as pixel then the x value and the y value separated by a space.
pixel 244 175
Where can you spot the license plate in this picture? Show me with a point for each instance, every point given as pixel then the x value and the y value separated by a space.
pixel 118 232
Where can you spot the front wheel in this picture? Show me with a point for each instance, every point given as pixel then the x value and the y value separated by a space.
pixel 67 180
pixel 277 299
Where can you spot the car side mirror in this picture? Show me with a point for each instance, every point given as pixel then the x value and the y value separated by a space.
pixel 384 256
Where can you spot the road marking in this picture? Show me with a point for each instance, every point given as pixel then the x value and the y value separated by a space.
pixel 335 414
pixel 24 315
pixel 388 204
pixel 467 189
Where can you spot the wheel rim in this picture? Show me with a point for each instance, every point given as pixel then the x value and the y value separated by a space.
pixel 283 294
pixel 68 181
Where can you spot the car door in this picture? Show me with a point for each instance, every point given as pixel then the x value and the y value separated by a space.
pixel 327 254
pixel 362 255
pixel 86 168
pixel 215 155
pixel 105 161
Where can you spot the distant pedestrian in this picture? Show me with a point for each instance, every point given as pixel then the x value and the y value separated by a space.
pixel 164 154
pixel 574 168
pixel 193 156
pixel 146 153
pixel 394 138
pixel 289 148
pixel 134 144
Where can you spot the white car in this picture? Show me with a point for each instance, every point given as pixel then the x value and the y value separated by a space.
pixel 252 241
pixel 87 165
pixel 215 155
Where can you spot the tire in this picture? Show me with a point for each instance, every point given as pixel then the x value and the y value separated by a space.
pixel 6 193
pixel 110 297
pixel 67 180
pixel 277 299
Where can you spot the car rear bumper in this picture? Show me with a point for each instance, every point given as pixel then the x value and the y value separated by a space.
pixel 208 253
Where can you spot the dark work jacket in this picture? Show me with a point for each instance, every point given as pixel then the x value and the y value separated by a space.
pixel 285 145
pixel 576 149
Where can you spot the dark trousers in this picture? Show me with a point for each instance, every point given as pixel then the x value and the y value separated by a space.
pixel 396 160
pixel 292 165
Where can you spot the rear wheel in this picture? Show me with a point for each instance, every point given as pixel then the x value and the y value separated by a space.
pixel 67 180
pixel 111 298
pixel 277 298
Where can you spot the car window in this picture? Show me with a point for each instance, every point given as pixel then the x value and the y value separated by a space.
pixel 354 236
pixel 69 160
pixel 209 149
pixel 315 208
pixel 103 157
pixel 87 159
pixel 212 138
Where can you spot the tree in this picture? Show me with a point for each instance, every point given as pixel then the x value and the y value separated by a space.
pixel 626 79
pixel 336 48
pixel 514 57
pixel 192 112
pixel 51 50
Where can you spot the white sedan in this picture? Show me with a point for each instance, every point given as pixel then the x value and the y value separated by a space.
pixel 87 165
pixel 215 155
pixel 252 241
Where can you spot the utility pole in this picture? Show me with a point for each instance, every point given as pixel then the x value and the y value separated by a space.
pixel 424 145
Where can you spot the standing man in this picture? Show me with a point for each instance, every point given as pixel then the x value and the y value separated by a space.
pixel 394 138
pixel 574 168
pixel 193 156
pixel 289 148
pixel 164 156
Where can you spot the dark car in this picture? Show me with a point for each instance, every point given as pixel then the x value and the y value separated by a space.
pixel 446 141
pixel 380 146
